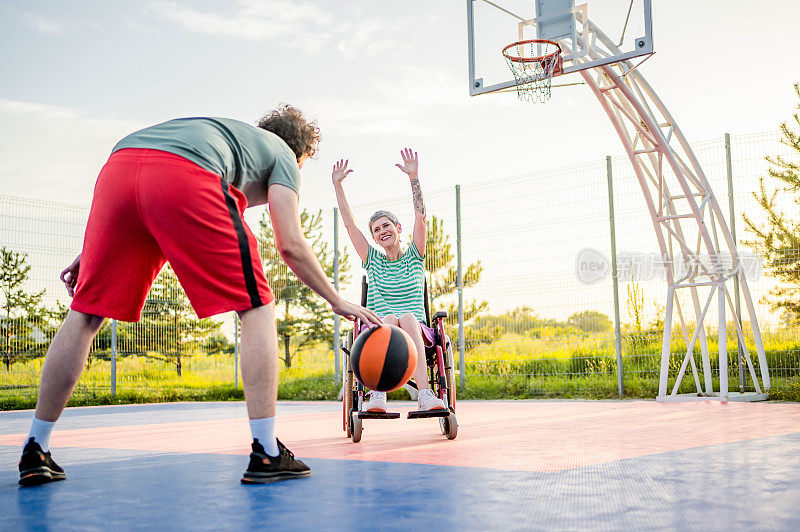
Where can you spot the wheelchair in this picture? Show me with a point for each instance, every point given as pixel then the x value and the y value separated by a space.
pixel 441 377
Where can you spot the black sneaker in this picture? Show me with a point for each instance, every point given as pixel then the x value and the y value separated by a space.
pixel 264 469
pixel 36 467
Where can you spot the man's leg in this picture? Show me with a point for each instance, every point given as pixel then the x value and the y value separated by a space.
pixel 270 460
pixel 259 352
pixel 62 366
pixel 64 363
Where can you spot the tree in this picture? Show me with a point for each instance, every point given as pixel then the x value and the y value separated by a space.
pixel 636 306
pixel 444 275
pixel 523 321
pixel 25 321
pixel 217 342
pixel 302 316
pixel 169 329
pixel 488 328
pixel 519 321
pixel 590 321
pixel 778 239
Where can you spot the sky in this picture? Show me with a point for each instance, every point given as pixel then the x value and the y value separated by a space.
pixel 378 76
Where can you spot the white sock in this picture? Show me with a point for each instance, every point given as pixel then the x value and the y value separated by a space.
pixel 40 432
pixel 263 430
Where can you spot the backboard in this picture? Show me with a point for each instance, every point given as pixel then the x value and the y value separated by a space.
pixel 591 33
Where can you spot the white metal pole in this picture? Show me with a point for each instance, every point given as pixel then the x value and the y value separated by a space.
pixel 617 332
pixel 462 372
pixel 337 347
pixel 723 344
pixel 666 343
pixel 113 358
pixel 738 316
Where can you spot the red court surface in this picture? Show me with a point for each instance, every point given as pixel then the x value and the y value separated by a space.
pixel 520 464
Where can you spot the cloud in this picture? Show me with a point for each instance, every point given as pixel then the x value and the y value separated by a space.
pixel 254 20
pixel 15 107
pixel 412 85
pixel 404 100
pixel 308 26
pixel 52 152
pixel 367 117
pixel 286 11
pixel 366 39
pixel 42 24
pixel 40 111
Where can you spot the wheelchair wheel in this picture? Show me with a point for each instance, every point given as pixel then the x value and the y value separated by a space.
pixel 347 403
pixel 347 391
pixel 450 375
pixel 449 426
pixel 357 427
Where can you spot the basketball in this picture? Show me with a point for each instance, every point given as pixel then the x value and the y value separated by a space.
pixel 383 358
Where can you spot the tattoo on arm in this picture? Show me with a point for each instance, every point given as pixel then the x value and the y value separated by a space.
pixel 416 191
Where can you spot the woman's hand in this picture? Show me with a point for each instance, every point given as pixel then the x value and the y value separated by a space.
pixel 410 163
pixel 340 171
pixel 69 276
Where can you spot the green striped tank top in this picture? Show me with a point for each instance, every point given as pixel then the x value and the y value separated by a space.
pixel 396 287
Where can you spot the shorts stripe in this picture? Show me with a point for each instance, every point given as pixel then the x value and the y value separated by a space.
pixel 244 247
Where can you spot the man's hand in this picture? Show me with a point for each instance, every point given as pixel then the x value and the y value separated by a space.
pixel 69 276
pixel 351 312
pixel 340 171
pixel 410 163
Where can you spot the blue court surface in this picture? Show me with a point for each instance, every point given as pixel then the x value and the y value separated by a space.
pixel 516 465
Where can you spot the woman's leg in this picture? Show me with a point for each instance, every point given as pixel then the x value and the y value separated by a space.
pixel 410 324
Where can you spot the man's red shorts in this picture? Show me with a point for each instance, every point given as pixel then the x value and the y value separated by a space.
pixel 151 206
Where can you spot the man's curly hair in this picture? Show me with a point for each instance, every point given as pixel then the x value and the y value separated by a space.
pixel 289 124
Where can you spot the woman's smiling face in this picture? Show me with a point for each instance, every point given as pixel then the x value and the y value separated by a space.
pixel 384 232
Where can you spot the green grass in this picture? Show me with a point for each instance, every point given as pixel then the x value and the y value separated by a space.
pixel 513 367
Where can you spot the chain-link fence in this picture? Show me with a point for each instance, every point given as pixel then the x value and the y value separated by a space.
pixel 535 326
pixel 168 352
pixel 532 325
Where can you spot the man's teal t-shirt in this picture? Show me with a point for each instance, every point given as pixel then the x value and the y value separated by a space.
pixel 236 151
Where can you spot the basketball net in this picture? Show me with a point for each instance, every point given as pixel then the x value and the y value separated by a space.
pixel 533 64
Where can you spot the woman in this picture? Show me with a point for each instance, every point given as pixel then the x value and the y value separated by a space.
pixel 396 277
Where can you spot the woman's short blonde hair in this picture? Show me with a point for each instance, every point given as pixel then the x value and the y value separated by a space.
pixel 380 214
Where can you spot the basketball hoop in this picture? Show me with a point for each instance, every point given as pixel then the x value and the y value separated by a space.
pixel 533 64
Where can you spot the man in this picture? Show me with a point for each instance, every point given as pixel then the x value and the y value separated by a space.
pixel 176 192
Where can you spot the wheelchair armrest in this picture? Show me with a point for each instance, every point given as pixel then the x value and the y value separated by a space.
pixel 439 315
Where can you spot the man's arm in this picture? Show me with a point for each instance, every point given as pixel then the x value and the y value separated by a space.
pixel 340 171
pixel 411 166
pixel 298 255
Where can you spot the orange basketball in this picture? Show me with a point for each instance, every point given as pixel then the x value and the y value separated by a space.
pixel 383 358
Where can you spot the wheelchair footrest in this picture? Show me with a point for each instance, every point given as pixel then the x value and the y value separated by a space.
pixel 442 412
pixel 378 415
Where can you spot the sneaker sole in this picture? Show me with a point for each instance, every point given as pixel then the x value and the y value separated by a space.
pixel 41 475
pixel 268 478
